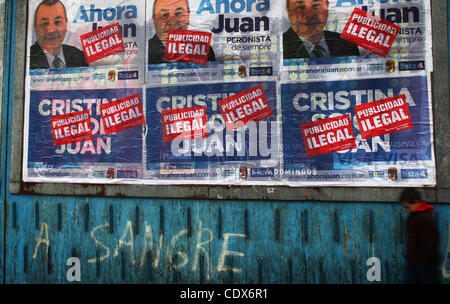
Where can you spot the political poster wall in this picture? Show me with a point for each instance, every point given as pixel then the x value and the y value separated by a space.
pixel 248 92
pixel 96 44
pixel 222 133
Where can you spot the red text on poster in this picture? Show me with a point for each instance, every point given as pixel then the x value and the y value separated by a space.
pixel 187 46
pixel 248 106
pixel 185 123
pixel 102 43
pixel 122 114
pixel 71 128
pixel 383 116
pixel 328 135
pixel 370 32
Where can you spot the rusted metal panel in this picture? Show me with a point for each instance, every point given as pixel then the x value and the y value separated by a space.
pixel 281 193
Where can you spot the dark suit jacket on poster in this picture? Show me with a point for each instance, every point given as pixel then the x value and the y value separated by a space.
pixel 156 50
pixel 293 47
pixel 72 56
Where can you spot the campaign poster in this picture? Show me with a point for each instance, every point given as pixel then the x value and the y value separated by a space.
pixel 398 153
pixel 244 41
pixel 347 39
pixel 384 116
pixel 246 154
pixel 71 127
pixel 53 151
pixel 85 44
pixel 328 135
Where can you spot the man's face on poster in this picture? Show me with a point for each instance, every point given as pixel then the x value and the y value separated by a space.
pixel 308 17
pixel 170 14
pixel 51 27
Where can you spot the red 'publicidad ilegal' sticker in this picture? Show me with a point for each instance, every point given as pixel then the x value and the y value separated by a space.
pixel 328 135
pixel 185 123
pixel 248 106
pixel 102 43
pixel 370 32
pixel 187 46
pixel 122 114
pixel 384 116
pixel 71 128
